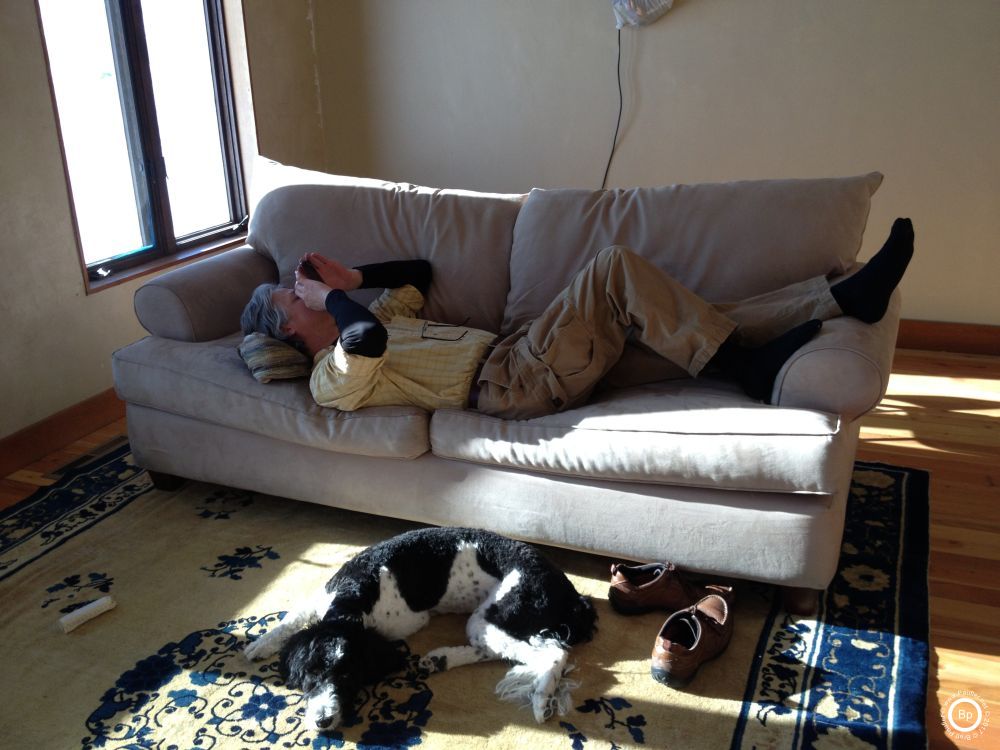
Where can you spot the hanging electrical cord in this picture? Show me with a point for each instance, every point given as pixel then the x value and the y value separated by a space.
pixel 630 13
pixel 621 101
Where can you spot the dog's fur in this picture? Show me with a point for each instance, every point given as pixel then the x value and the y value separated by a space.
pixel 523 609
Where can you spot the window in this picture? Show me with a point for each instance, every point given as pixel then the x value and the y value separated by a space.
pixel 148 130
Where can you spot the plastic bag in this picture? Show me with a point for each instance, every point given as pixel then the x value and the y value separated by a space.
pixel 639 12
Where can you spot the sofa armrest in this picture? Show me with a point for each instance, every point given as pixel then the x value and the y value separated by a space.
pixel 203 301
pixel 844 370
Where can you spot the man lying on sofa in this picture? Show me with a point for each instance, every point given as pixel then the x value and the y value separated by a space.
pixel 386 355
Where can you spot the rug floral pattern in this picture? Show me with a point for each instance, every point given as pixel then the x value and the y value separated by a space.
pixel 203 683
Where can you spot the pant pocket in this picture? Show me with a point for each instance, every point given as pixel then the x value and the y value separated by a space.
pixel 562 341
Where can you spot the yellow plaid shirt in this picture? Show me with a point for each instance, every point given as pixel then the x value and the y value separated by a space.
pixel 425 364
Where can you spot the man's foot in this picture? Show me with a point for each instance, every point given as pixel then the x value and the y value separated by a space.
pixel 764 362
pixel 756 369
pixel 865 295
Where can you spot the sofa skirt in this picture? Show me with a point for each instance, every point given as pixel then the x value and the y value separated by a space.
pixel 780 538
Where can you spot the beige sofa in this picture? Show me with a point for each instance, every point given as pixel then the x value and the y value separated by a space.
pixel 656 467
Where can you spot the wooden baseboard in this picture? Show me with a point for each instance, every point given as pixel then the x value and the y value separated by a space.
pixel 55 432
pixel 961 338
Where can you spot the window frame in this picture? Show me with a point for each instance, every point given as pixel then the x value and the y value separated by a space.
pixel 139 109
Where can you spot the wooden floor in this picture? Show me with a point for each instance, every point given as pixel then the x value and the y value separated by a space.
pixel 940 414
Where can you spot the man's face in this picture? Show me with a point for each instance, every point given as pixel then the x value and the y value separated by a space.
pixel 299 319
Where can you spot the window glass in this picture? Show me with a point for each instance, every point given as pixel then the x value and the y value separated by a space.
pixel 146 119
pixel 183 86
pixel 111 203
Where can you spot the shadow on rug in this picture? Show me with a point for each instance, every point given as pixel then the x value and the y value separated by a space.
pixel 199 572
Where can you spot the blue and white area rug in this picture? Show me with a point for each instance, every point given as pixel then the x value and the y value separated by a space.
pixel 198 572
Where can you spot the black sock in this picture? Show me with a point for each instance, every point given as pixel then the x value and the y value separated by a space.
pixel 865 295
pixel 757 368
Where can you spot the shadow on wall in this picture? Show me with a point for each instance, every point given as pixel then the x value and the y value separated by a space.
pixel 308 66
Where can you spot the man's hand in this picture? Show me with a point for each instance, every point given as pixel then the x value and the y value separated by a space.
pixel 333 274
pixel 312 293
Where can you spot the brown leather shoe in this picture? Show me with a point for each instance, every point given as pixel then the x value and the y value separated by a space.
pixel 637 589
pixel 689 638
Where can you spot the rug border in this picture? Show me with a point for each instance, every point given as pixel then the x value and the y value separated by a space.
pixel 913 622
pixel 912 630
pixel 75 471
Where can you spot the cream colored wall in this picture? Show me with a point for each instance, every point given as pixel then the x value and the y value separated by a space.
pixel 281 48
pixel 56 340
pixel 509 95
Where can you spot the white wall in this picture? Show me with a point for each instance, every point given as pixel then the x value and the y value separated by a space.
pixel 509 95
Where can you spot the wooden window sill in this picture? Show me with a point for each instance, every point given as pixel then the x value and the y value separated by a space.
pixel 159 264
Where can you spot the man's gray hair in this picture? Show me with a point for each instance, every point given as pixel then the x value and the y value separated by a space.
pixel 261 315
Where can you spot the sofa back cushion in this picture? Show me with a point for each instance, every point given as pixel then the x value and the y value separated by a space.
pixel 465 235
pixel 725 241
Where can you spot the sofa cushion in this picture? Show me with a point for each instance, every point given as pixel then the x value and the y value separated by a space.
pixel 465 235
pixel 209 381
pixel 725 241
pixel 696 434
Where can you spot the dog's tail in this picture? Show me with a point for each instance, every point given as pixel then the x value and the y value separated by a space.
pixel 582 621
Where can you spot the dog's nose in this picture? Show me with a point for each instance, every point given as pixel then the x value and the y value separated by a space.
pixel 323 709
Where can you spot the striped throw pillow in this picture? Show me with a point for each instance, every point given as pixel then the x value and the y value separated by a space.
pixel 269 359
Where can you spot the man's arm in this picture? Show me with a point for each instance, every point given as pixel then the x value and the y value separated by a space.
pixel 390 274
pixel 361 333
pixel 393 274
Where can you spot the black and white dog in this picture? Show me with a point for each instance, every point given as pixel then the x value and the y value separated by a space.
pixel 523 609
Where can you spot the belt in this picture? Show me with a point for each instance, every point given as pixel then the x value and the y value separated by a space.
pixel 474 388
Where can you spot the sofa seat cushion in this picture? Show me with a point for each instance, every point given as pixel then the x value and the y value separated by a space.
pixel 209 381
pixel 692 433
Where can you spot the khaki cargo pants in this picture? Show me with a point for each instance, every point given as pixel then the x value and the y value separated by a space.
pixel 554 362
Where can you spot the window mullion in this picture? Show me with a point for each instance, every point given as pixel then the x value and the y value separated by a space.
pixel 215 22
pixel 129 13
pixel 133 133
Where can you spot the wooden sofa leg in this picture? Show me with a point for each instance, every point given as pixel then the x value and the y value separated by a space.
pixel 166 482
pixel 799 601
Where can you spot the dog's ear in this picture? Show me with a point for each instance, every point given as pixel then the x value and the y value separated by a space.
pixel 295 657
pixel 376 657
pixel 312 653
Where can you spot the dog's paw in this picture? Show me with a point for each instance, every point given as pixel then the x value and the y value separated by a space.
pixel 553 695
pixel 258 649
pixel 432 663
pixel 544 707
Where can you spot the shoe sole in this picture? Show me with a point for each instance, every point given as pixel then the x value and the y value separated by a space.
pixel 669 679
pixel 665 677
